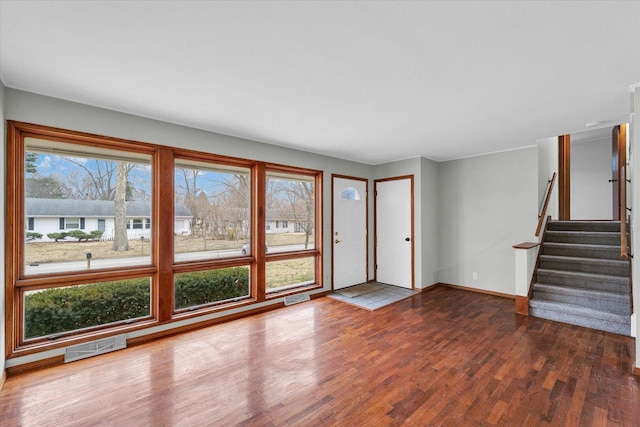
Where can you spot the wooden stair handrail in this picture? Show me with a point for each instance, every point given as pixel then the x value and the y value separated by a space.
pixel 624 253
pixel 546 204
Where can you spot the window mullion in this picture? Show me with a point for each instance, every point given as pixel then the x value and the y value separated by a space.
pixel 258 232
pixel 162 217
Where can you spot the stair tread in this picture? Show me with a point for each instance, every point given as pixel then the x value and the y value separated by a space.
pixel 573 259
pixel 582 232
pixel 579 310
pixel 581 275
pixel 592 293
pixel 581 245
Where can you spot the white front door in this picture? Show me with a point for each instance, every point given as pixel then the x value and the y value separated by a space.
pixel 349 232
pixel 394 232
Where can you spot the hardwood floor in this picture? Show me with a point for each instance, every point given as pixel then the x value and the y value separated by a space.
pixel 444 357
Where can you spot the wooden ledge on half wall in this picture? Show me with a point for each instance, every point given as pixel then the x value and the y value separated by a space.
pixel 526 245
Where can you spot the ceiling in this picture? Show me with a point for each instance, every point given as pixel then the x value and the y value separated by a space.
pixel 366 81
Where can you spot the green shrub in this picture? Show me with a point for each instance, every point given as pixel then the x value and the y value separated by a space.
pixel 66 309
pixel 81 235
pixel 32 235
pixel 96 234
pixel 57 236
pixel 203 287
pixel 55 311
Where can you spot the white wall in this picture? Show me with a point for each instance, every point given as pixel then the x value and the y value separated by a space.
pixel 487 204
pixel 591 191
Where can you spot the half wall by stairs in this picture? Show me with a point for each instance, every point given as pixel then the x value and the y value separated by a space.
pixel 581 279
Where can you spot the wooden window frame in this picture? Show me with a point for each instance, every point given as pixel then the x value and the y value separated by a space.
pixel 163 267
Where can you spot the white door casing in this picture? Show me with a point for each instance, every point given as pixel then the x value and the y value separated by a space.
pixel 349 236
pixel 394 232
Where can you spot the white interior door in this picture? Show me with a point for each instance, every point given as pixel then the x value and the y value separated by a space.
pixel 349 232
pixel 394 239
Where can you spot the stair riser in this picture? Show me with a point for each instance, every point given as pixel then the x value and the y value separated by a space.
pixel 586 239
pixel 596 285
pixel 602 325
pixel 610 306
pixel 586 267
pixel 582 253
pixel 611 227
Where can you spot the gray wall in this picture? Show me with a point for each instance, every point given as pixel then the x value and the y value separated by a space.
pixel 3 133
pixel 547 165
pixel 591 191
pixel 430 220
pixel 487 204
pixel 634 189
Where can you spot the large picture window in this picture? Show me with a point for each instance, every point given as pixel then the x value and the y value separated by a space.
pixel 67 189
pixel 106 235
pixel 214 204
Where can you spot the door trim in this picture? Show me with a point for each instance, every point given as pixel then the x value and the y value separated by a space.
pixel 375 227
pixel 564 177
pixel 366 218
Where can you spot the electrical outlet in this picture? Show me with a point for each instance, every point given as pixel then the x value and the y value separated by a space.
pixel 475 276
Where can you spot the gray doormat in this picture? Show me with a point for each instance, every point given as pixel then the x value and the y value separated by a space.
pixel 357 290
pixel 378 298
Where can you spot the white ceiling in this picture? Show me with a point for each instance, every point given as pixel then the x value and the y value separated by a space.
pixel 365 81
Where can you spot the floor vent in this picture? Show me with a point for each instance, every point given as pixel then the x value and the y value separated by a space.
pixel 294 299
pixel 94 348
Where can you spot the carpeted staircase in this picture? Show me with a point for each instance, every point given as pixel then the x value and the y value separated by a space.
pixel 581 278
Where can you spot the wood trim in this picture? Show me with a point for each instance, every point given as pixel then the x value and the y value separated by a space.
pixel 366 214
pixel 258 220
pixel 636 371
pixel 317 227
pixel 526 245
pixel 375 225
pixel 163 297
pixel 564 177
pixel 38 364
pixel 13 165
pixel 522 305
pixel 476 290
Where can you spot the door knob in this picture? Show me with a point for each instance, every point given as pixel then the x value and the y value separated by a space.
pixel 338 241
pixel 408 239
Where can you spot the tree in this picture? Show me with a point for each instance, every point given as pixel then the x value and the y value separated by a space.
pixel 121 240
pixel 296 201
pixel 190 191
pixel 30 159
pixel 93 179
pixel 45 187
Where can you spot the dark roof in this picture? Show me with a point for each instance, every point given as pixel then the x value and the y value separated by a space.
pixel 90 208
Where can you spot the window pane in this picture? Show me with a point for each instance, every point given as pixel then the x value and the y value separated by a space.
pixel 87 198
pixel 211 286
pixel 290 212
pixel 59 310
pixel 290 273
pixel 71 223
pixel 212 207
